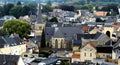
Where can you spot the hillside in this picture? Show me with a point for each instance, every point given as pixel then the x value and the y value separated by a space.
pixel 79 2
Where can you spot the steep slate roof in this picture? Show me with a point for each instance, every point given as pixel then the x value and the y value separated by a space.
pixel 62 32
pixel 18 40
pixel 49 32
pixel 70 31
pixel 104 49
pixel 10 41
pixel 77 42
pixel 89 36
pixel 67 32
pixel 35 39
pixel 57 33
pixel 9 59
pixel 91 44
pixel 117 43
pixel 2 42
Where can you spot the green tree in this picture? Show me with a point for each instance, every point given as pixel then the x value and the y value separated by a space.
pixel 18 3
pixel 43 41
pixel 47 9
pixel 86 6
pixel 7 8
pixel 25 10
pixel 53 19
pixel 33 8
pixel 16 11
pixel 17 26
pixel 98 20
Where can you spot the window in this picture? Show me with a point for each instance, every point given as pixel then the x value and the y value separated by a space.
pixel 90 49
pixel 84 54
pixel 56 43
pixel 40 28
pixel 25 55
pixel 90 54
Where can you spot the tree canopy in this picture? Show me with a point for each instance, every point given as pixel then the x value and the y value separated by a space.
pixel 20 27
pixel 7 8
pixel 43 43
pixel 53 19
pixel 16 11
pixel 67 7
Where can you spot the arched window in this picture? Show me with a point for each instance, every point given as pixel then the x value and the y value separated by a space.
pixel 56 43
pixel 62 45
pixel 108 33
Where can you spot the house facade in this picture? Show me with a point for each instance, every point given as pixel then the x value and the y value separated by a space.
pixel 88 52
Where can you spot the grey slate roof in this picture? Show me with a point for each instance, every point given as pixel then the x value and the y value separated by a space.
pixel 49 31
pixel 9 59
pixel 58 33
pixel 10 41
pixel 89 36
pixel 62 32
pixel 2 42
pixel 117 44
pixel 77 42
pixel 69 32
pixel 104 49
pixel 35 39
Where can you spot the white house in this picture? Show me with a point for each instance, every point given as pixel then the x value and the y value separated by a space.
pixel 88 52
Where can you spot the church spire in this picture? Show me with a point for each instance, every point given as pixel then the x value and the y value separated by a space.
pixel 39 13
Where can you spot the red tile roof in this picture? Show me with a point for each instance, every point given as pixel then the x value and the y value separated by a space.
pixel 91 44
pixel 116 25
pixel 85 28
pixel 76 56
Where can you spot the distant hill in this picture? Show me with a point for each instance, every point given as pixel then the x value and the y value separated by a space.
pixel 65 1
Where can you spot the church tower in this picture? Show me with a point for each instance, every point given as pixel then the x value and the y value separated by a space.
pixel 39 24
pixel 39 13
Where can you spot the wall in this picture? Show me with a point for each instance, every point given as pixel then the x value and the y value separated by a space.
pixel 53 40
pixel 111 29
pixel 103 55
pixel 20 62
pixel 75 48
pixel 88 50
pixel 75 60
pixel 14 50
pixel 39 28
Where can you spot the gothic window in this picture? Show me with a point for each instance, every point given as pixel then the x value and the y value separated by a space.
pixel 56 43
pixel 62 45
